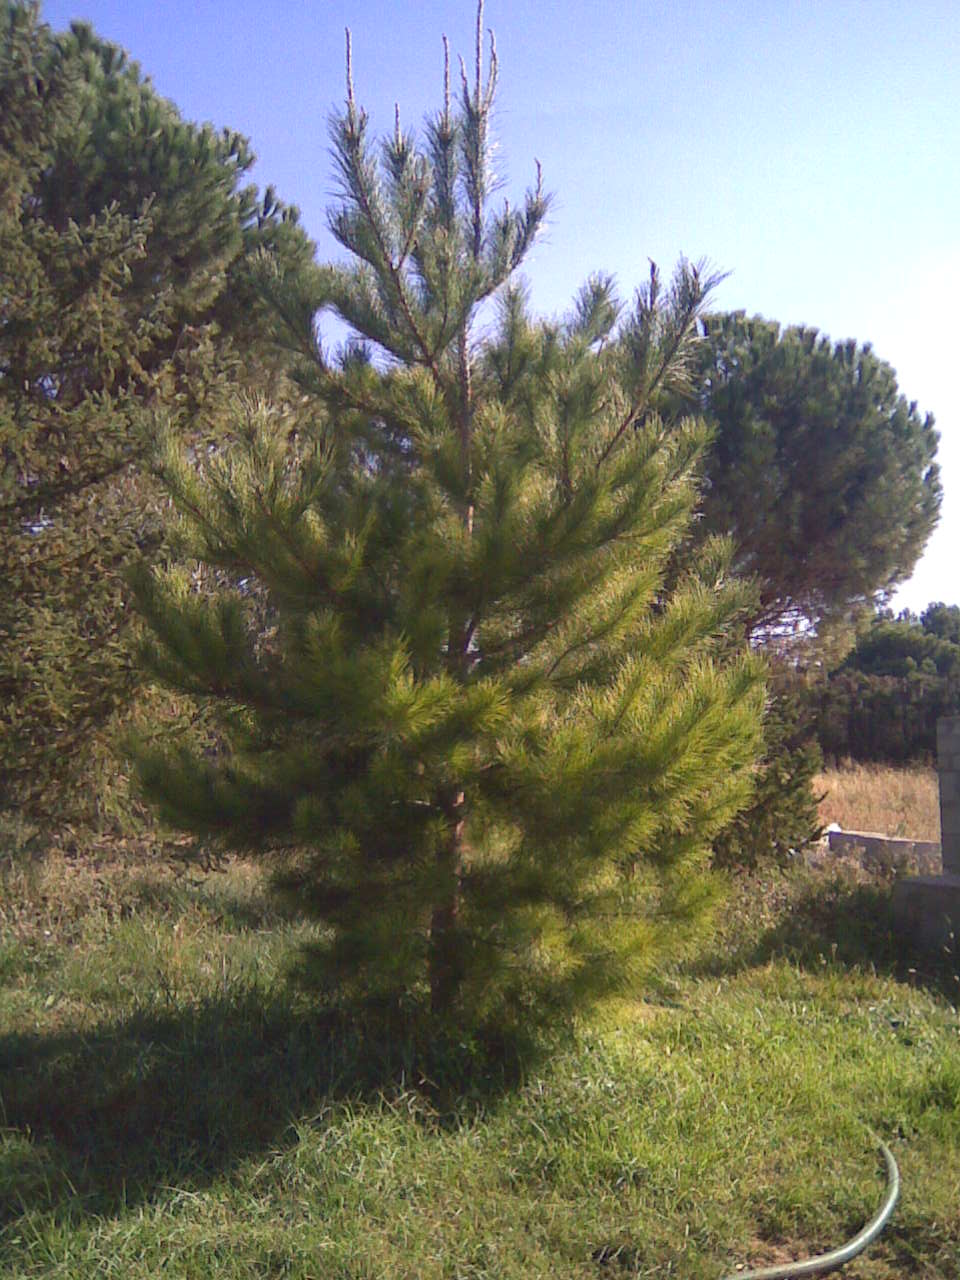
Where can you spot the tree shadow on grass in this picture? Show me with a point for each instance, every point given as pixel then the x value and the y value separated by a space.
pixel 97 1120
pixel 232 910
pixel 840 921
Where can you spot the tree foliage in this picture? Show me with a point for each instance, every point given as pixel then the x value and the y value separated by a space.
pixel 477 738
pixel 820 470
pixel 824 476
pixel 782 816
pixel 126 245
pixel 883 702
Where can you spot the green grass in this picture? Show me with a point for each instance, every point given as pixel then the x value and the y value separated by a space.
pixel 172 1105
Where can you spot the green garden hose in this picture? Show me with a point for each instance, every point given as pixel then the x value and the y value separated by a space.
pixel 837 1257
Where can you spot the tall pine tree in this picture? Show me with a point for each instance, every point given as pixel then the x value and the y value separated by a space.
pixel 126 241
pixel 459 716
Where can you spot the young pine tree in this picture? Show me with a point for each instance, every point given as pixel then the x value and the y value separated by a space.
pixel 460 717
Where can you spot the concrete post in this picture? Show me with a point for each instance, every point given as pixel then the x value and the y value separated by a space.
pixel 948 767
pixel 927 908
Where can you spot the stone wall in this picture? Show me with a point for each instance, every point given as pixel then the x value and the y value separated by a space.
pixel 889 852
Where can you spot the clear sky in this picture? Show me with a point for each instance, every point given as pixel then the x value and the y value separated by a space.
pixel 809 147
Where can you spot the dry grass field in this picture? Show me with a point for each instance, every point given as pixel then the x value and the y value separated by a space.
pixel 893 801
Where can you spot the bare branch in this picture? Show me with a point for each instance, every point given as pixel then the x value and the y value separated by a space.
pixel 350 101
pixel 494 67
pixel 446 83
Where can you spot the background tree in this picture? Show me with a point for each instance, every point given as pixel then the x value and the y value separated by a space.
pixel 478 741
pixel 820 470
pixel 782 816
pixel 883 701
pixel 126 244
pixel 824 476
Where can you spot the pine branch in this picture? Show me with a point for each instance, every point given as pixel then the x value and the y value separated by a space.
pixel 352 134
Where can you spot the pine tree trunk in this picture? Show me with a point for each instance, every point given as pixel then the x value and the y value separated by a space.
pixel 446 968
pixel 446 962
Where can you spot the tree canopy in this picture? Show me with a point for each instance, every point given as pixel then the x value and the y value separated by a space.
pixel 820 469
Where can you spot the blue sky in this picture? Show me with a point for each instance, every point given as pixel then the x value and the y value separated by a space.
pixel 809 147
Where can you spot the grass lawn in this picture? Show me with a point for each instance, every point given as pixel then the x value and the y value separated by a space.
pixel 171 1106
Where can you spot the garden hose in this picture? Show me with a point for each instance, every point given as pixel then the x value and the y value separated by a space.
pixel 837 1257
